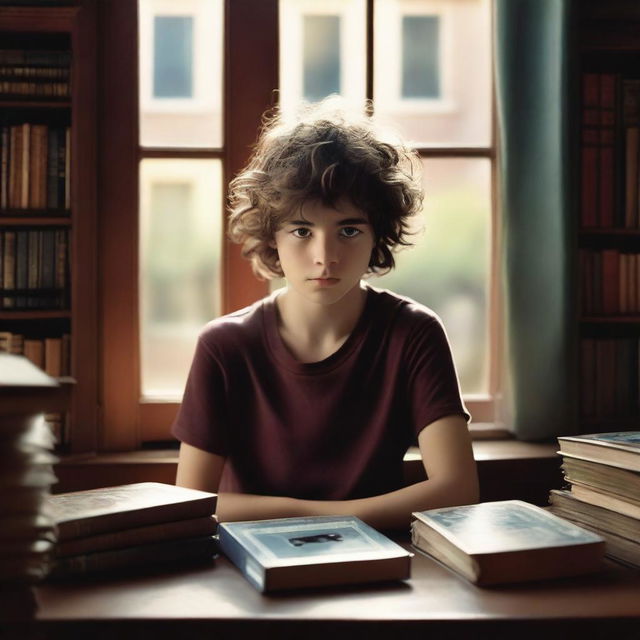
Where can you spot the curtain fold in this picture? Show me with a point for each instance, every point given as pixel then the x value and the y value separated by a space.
pixel 537 231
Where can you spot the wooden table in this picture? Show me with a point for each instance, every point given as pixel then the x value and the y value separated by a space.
pixel 216 602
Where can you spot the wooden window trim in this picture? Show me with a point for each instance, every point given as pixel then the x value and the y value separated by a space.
pixel 127 421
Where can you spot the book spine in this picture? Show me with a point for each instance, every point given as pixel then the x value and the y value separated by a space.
pixel 590 160
pixel 83 527
pixel 203 548
pixel 250 568
pixel 8 268
pixel 192 528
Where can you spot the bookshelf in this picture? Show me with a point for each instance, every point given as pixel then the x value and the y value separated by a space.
pixel 608 238
pixel 48 212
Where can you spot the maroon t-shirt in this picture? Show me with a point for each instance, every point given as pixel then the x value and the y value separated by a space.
pixel 334 430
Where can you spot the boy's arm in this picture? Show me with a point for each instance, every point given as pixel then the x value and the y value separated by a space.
pixel 446 451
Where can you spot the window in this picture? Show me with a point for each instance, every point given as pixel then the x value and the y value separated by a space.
pixel 420 57
pixel 173 57
pixel 406 55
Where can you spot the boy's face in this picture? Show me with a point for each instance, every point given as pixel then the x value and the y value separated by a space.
pixel 324 252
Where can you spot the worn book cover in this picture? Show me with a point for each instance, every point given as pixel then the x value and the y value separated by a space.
pixel 506 541
pixel 84 513
pixel 289 553
pixel 621 448
pixel 162 553
pixel 604 477
pixel 191 528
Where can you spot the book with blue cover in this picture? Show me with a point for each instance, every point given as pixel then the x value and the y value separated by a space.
pixel 506 541
pixel 291 553
pixel 618 448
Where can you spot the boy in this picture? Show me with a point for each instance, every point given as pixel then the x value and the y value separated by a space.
pixel 305 402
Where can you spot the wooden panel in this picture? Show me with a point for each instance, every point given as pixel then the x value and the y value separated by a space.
pixel 252 58
pixel 156 419
pixel 84 329
pixel 118 224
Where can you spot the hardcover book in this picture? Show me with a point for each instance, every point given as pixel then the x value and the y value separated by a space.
pixel 620 448
pixel 191 528
pixel 84 513
pixel 507 541
pixel 290 553
pixel 147 555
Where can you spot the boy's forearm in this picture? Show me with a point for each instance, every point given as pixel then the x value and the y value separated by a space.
pixel 387 511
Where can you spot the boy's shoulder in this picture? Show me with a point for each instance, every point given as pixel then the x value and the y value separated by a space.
pixel 407 311
pixel 233 329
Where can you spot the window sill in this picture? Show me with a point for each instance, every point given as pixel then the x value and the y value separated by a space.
pixel 507 468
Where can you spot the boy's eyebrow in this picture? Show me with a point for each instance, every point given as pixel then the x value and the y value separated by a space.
pixel 339 223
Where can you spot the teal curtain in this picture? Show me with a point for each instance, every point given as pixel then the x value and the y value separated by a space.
pixel 532 58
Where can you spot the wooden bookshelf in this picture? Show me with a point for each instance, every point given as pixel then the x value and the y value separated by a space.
pixel 608 238
pixel 70 29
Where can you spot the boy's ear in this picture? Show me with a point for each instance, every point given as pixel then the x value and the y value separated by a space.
pixel 272 244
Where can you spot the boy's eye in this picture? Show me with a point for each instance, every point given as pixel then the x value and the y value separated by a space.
pixel 301 232
pixel 350 232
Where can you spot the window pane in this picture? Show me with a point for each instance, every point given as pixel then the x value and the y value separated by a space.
pixel 322 51
pixel 181 73
pixel 448 268
pixel 173 57
pixel 432 70
pixel 420 57
pixel 321 48
pixel 180 245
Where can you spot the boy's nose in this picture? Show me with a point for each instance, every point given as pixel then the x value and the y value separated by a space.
pixel 326 251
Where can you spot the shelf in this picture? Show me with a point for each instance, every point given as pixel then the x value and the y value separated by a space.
pixel 6 103
pixel 632 319
pixel 34 315
pixel 35 221
pixel 634 233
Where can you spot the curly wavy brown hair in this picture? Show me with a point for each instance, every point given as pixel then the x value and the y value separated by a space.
pixel 327 154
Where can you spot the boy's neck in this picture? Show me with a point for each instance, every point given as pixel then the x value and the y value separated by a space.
pixel 311 331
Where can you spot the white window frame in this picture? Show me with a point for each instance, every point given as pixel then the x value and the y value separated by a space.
pixel 206 63
pixel 352 68
pixel 391 13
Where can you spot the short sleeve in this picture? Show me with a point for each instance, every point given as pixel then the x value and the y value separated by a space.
pixel 433 388
pixel 202 417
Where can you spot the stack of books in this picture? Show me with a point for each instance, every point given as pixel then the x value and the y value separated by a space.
pixel 603 471
pixel 27 534
pixel 135 525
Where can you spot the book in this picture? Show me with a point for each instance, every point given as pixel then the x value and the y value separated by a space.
pixel 291 553
pixel 620 532
pixel 566 504
pixel 191 528
pixel 620 448
pixel 607 500
pixel 605 477
pixel 148 555
pixel 507 541
pixel 84 513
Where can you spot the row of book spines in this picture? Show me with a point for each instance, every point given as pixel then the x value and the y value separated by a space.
pixel 600 129
pixel 35 167
pixel 34 72
pixel 610 282
pixel 609 378
pixel 34 268
pixel 44 58
pixel 32 89
pixel 52 355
